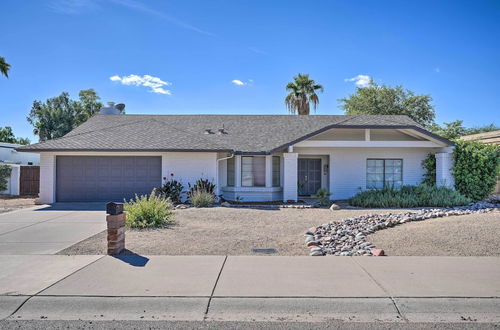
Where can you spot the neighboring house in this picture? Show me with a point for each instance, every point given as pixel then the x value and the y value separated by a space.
pixel 486 138
pixel 255 157
pixel 10 156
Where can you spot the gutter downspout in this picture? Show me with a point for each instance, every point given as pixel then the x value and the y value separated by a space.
pixel 217 172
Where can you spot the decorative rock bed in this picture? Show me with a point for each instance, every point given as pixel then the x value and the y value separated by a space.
pixel 348 237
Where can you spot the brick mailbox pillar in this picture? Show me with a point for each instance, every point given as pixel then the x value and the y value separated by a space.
pixel 116 227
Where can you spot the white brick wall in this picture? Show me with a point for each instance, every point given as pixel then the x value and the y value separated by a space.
pixel 47 193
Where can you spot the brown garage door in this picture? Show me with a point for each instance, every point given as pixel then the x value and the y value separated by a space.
pixel 101 178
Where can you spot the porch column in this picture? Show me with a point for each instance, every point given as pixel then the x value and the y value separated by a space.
pixel 269 171
pixel 237 171
pixel 290 176
pixel 444 165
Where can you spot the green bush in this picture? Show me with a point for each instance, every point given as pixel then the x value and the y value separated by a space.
pixel 5 171
pixel 429 166
pixel 202 185
pixel 171 189
pixel 148 211
pixel 410 196
pixel 201 198
pixel 475 168
pixel 324 197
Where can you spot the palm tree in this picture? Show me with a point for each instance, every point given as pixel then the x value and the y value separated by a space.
pixel 4 67
pixel 302 93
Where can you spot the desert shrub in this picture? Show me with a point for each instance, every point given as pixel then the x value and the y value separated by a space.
pixel 429 166
pixel 202 185
pixel 201 198
pixel 171 189
pixel 475 168
pixel 410 196
pixel 148 211
pixel 324 197
pixel 5 171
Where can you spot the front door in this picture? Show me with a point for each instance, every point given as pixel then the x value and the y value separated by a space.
pixel 309 176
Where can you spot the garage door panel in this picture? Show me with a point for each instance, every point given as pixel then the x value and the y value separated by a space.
pixel 105 178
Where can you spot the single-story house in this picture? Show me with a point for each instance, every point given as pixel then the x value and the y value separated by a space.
pixel 252 157
pixel 16 160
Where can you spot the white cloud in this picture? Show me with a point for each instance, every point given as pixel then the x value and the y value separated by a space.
pixel 238 82
pixel 360 80
pixel 154 83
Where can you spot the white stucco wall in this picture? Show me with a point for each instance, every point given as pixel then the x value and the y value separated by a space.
pixel 348 166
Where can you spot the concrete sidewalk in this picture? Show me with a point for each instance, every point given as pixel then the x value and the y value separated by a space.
pixel 196 288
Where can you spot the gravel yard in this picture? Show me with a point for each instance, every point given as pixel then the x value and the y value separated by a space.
pixel 236 231
pixel 466 235
pixel 9 202
pixel 224 231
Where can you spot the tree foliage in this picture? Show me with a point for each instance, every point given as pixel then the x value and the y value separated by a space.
pixel 475 168
pixel 455 129
pixel 5 171
pixel 4 67
pixel 385 100
pixel 302 92
pixel 429 166
pixel 58 115
pixel 7 135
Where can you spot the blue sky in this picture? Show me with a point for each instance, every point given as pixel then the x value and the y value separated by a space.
pixel 235 57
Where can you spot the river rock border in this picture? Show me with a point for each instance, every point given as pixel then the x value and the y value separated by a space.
pixel 348 237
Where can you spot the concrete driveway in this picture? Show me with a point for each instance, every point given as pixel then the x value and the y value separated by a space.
pixel 49 229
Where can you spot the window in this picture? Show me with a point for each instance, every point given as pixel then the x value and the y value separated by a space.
pixel 253 171
pixel 382 173
pixel 276 171
pixel 230 172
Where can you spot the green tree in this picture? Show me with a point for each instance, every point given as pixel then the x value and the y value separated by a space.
pixel 455 129
pixel 452 130
pixel 4 67
pixel 302 92
pixel 58 115
pixel 7 135
pixel 385 100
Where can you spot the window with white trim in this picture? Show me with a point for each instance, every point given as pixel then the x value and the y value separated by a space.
pixel 230 172
pixel 276 171
pixel 253 171
pixel 382 173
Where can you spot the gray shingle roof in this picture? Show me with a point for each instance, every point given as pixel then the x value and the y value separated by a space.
pixel 244 133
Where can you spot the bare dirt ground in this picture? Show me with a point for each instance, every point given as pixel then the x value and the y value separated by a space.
pixel 9 202
pixel 236 231
pixel 466 235
pixel 225 231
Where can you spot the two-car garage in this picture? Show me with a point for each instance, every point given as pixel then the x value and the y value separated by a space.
pixel 105 178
